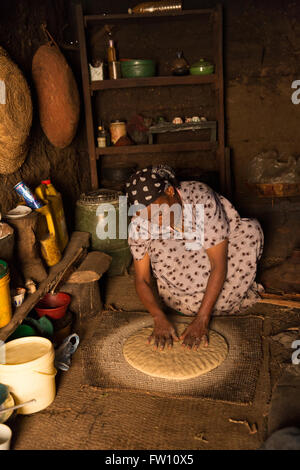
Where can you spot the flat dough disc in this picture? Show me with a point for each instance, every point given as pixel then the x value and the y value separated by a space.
pixel 176 363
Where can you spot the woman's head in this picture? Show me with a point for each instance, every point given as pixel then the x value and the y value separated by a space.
pixel 145 186
pixel 153 191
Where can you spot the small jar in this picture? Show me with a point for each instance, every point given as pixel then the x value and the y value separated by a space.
pixel 117 130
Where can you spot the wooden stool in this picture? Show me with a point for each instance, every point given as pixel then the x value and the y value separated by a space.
pixel 83 286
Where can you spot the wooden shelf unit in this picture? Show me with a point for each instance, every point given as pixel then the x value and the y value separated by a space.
pixel 144 16
pixel 152 82
pixel 177 147
pixel 215 80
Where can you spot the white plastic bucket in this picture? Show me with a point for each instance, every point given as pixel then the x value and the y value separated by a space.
pixel 5 437
pixel 27 368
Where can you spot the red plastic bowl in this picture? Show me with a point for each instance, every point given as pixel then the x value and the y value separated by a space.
pixel 53 305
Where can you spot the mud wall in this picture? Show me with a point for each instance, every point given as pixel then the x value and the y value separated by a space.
pixel 21 35
pixel 262 50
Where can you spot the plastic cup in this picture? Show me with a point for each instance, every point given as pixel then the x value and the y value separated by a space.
pixel 5 437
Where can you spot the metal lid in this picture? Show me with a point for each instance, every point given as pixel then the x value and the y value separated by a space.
pixel 99 196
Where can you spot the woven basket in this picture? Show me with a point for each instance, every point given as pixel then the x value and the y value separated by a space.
pixel 15 116
pixel 58 96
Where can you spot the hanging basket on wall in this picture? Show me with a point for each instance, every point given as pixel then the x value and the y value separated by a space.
pixel 58 96
pixel 15 115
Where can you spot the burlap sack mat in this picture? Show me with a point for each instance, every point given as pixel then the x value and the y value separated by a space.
pixel 234 381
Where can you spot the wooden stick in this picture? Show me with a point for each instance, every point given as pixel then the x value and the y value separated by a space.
pixel 295 296
pixel 281 303
pixel 15 407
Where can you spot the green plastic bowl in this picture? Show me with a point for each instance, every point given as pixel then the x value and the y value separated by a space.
pixel 201 67
pixel 136 68
pixel 21 332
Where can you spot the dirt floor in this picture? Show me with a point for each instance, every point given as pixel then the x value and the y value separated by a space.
pixel 87 417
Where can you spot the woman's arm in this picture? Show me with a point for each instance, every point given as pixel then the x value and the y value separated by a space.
pixel 163 333
pixel 197 330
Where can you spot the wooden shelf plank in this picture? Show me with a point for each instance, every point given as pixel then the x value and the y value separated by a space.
pixel 155 148
pixel 152 82
pixel 126 17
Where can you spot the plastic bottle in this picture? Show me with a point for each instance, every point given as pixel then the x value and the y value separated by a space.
pixel 48 194
pixel 163 6
pixel 5 299
pixel 48 236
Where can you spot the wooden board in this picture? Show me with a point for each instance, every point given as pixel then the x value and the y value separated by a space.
pixel 142 16
pixel 152 82
pixel 281 303
pixel 79 242
pixel 176 147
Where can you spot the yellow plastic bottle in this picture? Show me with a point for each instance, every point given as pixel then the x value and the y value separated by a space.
pixel 48 194
pixel 47 236
pixel 5 300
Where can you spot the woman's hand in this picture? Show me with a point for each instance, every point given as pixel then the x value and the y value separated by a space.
pixel 163 334
pixel 195 333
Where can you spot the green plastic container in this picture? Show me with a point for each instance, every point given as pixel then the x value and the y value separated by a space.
pixel 202 67
pixel 21 332
pixel 91 217
pixel 137 68
pixel 3 268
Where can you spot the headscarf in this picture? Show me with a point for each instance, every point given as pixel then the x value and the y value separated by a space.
pixel 146 185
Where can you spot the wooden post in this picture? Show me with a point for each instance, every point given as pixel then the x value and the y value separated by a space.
pixel 87 97
pixel 218 53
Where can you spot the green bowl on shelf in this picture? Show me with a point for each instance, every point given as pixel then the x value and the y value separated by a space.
pixel 202 67
pixel 136 68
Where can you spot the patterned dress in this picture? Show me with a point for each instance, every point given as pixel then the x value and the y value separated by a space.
pixel 182 267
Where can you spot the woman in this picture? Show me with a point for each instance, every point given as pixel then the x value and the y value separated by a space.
pixel 204 260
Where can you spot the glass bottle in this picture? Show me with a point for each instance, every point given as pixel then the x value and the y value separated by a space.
pixel 102 137
pixel 111 51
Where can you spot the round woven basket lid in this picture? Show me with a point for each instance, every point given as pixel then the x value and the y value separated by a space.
pixel 100 196
pixel 15 115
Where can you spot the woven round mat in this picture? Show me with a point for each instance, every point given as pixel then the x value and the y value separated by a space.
pixel 15 115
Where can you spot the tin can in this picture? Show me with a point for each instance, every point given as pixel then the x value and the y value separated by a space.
pixel 27 194
pixel 117 130
pixel 114 70
pixel 96 71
